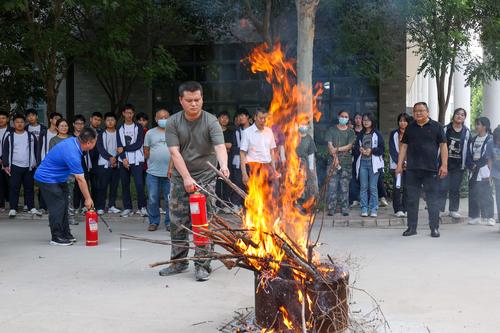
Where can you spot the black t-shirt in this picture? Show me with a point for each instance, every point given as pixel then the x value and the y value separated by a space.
pixel 423 145
pixel 455 149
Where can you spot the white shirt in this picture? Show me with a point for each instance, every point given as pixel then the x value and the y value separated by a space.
pixel 35 130
pixel 109 143
pixel 258 144
pixel 130 134
pixel 45 147
pixel 2 133
pixel 478 144
pixel 20 155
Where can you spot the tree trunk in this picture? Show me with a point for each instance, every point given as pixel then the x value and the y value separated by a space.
pixel 306 14
pixel 51 97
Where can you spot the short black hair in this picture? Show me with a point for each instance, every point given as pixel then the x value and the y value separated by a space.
pixel 457 110
pixel 243 111
pixel 31 111
pixel 61 120
pixel 371 117
pixel 52 115
pixel 496 137
pixel 88 134
pixel 141 115
pixel 190 86
pixel 128 106
pixel 19 116
pixel 79 117
pixel 223 113
pixel 420 103
pixel 485 121
pixel 261 110
pixel 406 116
pixel 97 114
pixel 109 115
pixel 342 111
pixel 162 109
pixel 4 113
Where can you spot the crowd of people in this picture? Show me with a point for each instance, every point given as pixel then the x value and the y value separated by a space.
pixel 74 163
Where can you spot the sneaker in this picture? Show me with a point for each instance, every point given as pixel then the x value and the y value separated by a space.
pixel 25 209
pixel 345 213
pixel 126 213
pixel 383 202
pixel 364 214
pixel 70 237
pixel 167 228
pixel 174 269
pixel 474 221
pixel 373 214
pixel 483 221
pixel 355 203
pixel 201 274
pixel 12 213
pixel 72 221
pixel 490 222
pixel 113 210
pixel 60 241
pixel 162 212
pixel 71 212
pixel 152 227
pixel 227 210
pixel 443 214
pixel 237 209
pixel 399 214
pixel 455 215
pixel 143 212
pixel 42 211
pixel 2 210
pixel 35 211
pixel 100 212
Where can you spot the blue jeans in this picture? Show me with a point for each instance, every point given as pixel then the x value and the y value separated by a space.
pixel 155 186
pixel 368 180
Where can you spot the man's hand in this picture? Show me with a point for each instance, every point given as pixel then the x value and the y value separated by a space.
pixel 119 150
pixel 443 171
pixel 169 173
pixel 112 160
pixel 189 185
pixel 225 172
pixel 125 164
pixel 89 204
pixel 244 178
pixel 367 151
pixel 7 170
pixel 399 170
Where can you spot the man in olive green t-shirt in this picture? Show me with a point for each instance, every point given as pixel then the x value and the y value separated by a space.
pixel 194 137
pixel 340 139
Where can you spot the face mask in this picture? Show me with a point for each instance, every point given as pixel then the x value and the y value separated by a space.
pixel 162 123
pixel 303 129
pixel 343 121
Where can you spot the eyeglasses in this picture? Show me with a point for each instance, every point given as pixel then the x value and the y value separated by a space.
pixel 79 123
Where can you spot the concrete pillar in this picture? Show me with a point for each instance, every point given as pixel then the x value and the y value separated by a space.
pixel 491 102
pixel 433 99
pixel 424 90
pixel 461 95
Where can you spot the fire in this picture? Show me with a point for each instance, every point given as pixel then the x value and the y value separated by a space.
pixel 270 209
pixel 288 323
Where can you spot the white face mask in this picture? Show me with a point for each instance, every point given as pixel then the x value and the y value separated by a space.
pixel 162 123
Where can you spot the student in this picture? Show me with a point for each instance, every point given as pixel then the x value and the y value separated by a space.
pixel 399 191
pixel 107 172
pixel 369 150
pixel 340 139
pixel 95 124
pixel 305 151
pixel 221 188
pixel 480 192
pixel 458 137
pixel 243 120
pixel 96 121
pixel 78 199
pixel 4 183
pixel 62 133
pixel 357 123
pixel 130 140
pixel 33 126
pixel 493 155
pixel 143 119
pixel 19 161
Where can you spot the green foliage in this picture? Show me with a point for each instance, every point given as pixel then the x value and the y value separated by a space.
pixel 476 102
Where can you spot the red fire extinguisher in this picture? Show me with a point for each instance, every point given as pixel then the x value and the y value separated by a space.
pixel 199 221
pixel 92 232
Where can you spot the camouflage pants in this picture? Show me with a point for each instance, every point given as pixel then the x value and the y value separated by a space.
pixel 338 190
pixel 181 216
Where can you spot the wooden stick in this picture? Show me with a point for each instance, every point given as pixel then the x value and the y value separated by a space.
pixel 235 187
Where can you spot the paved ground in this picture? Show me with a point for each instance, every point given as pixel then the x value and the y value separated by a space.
pixel 451 284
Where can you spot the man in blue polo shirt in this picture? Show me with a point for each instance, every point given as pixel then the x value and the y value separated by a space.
pixel 52 175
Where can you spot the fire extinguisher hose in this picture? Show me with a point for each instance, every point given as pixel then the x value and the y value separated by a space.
pixel 106 223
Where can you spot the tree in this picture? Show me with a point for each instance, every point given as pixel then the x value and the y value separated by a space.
pixel 123 43
pixel 46 33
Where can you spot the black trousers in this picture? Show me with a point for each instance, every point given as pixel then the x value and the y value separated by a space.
pixel 78 199
pixel 106 178
pixel 399 195
pixel 497 196
pixel 382 193
pixel 136 172
pixel 237 178
pixel 21 176
pixel 416 180
pixel 56 198
pixel 450 187
pixel 480 199
pixel 4 188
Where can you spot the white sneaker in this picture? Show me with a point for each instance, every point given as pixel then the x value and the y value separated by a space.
pixel 383 202
pixel 483 221
pixel 355 203
pixel 162 212
pixel 100 212
pixel 490 222
pixel 25 208
pixel 400 214
pixel 35 211
pixel 443 214
pixel 364 214
pixel 474 221
pixel 455 215
pixel 143 212
pixel 113 210
pixel 126 213
pixel 42 211
pixel 12 213
pixel 373 214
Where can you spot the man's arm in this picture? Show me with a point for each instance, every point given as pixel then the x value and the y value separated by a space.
pixel 82 183
pixel 180 166
pixel 243 166
pixel 443 170
pixel 146 152
pixel 221 153
pixel 402 158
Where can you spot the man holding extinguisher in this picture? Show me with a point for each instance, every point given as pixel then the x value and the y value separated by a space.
pixel 194 137
pixel 52 175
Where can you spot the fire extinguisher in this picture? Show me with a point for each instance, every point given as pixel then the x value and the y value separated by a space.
pixel 92 231
pixel 199 221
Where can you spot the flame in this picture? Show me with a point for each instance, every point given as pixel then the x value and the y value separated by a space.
pixel 288 323
pixel 270 209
